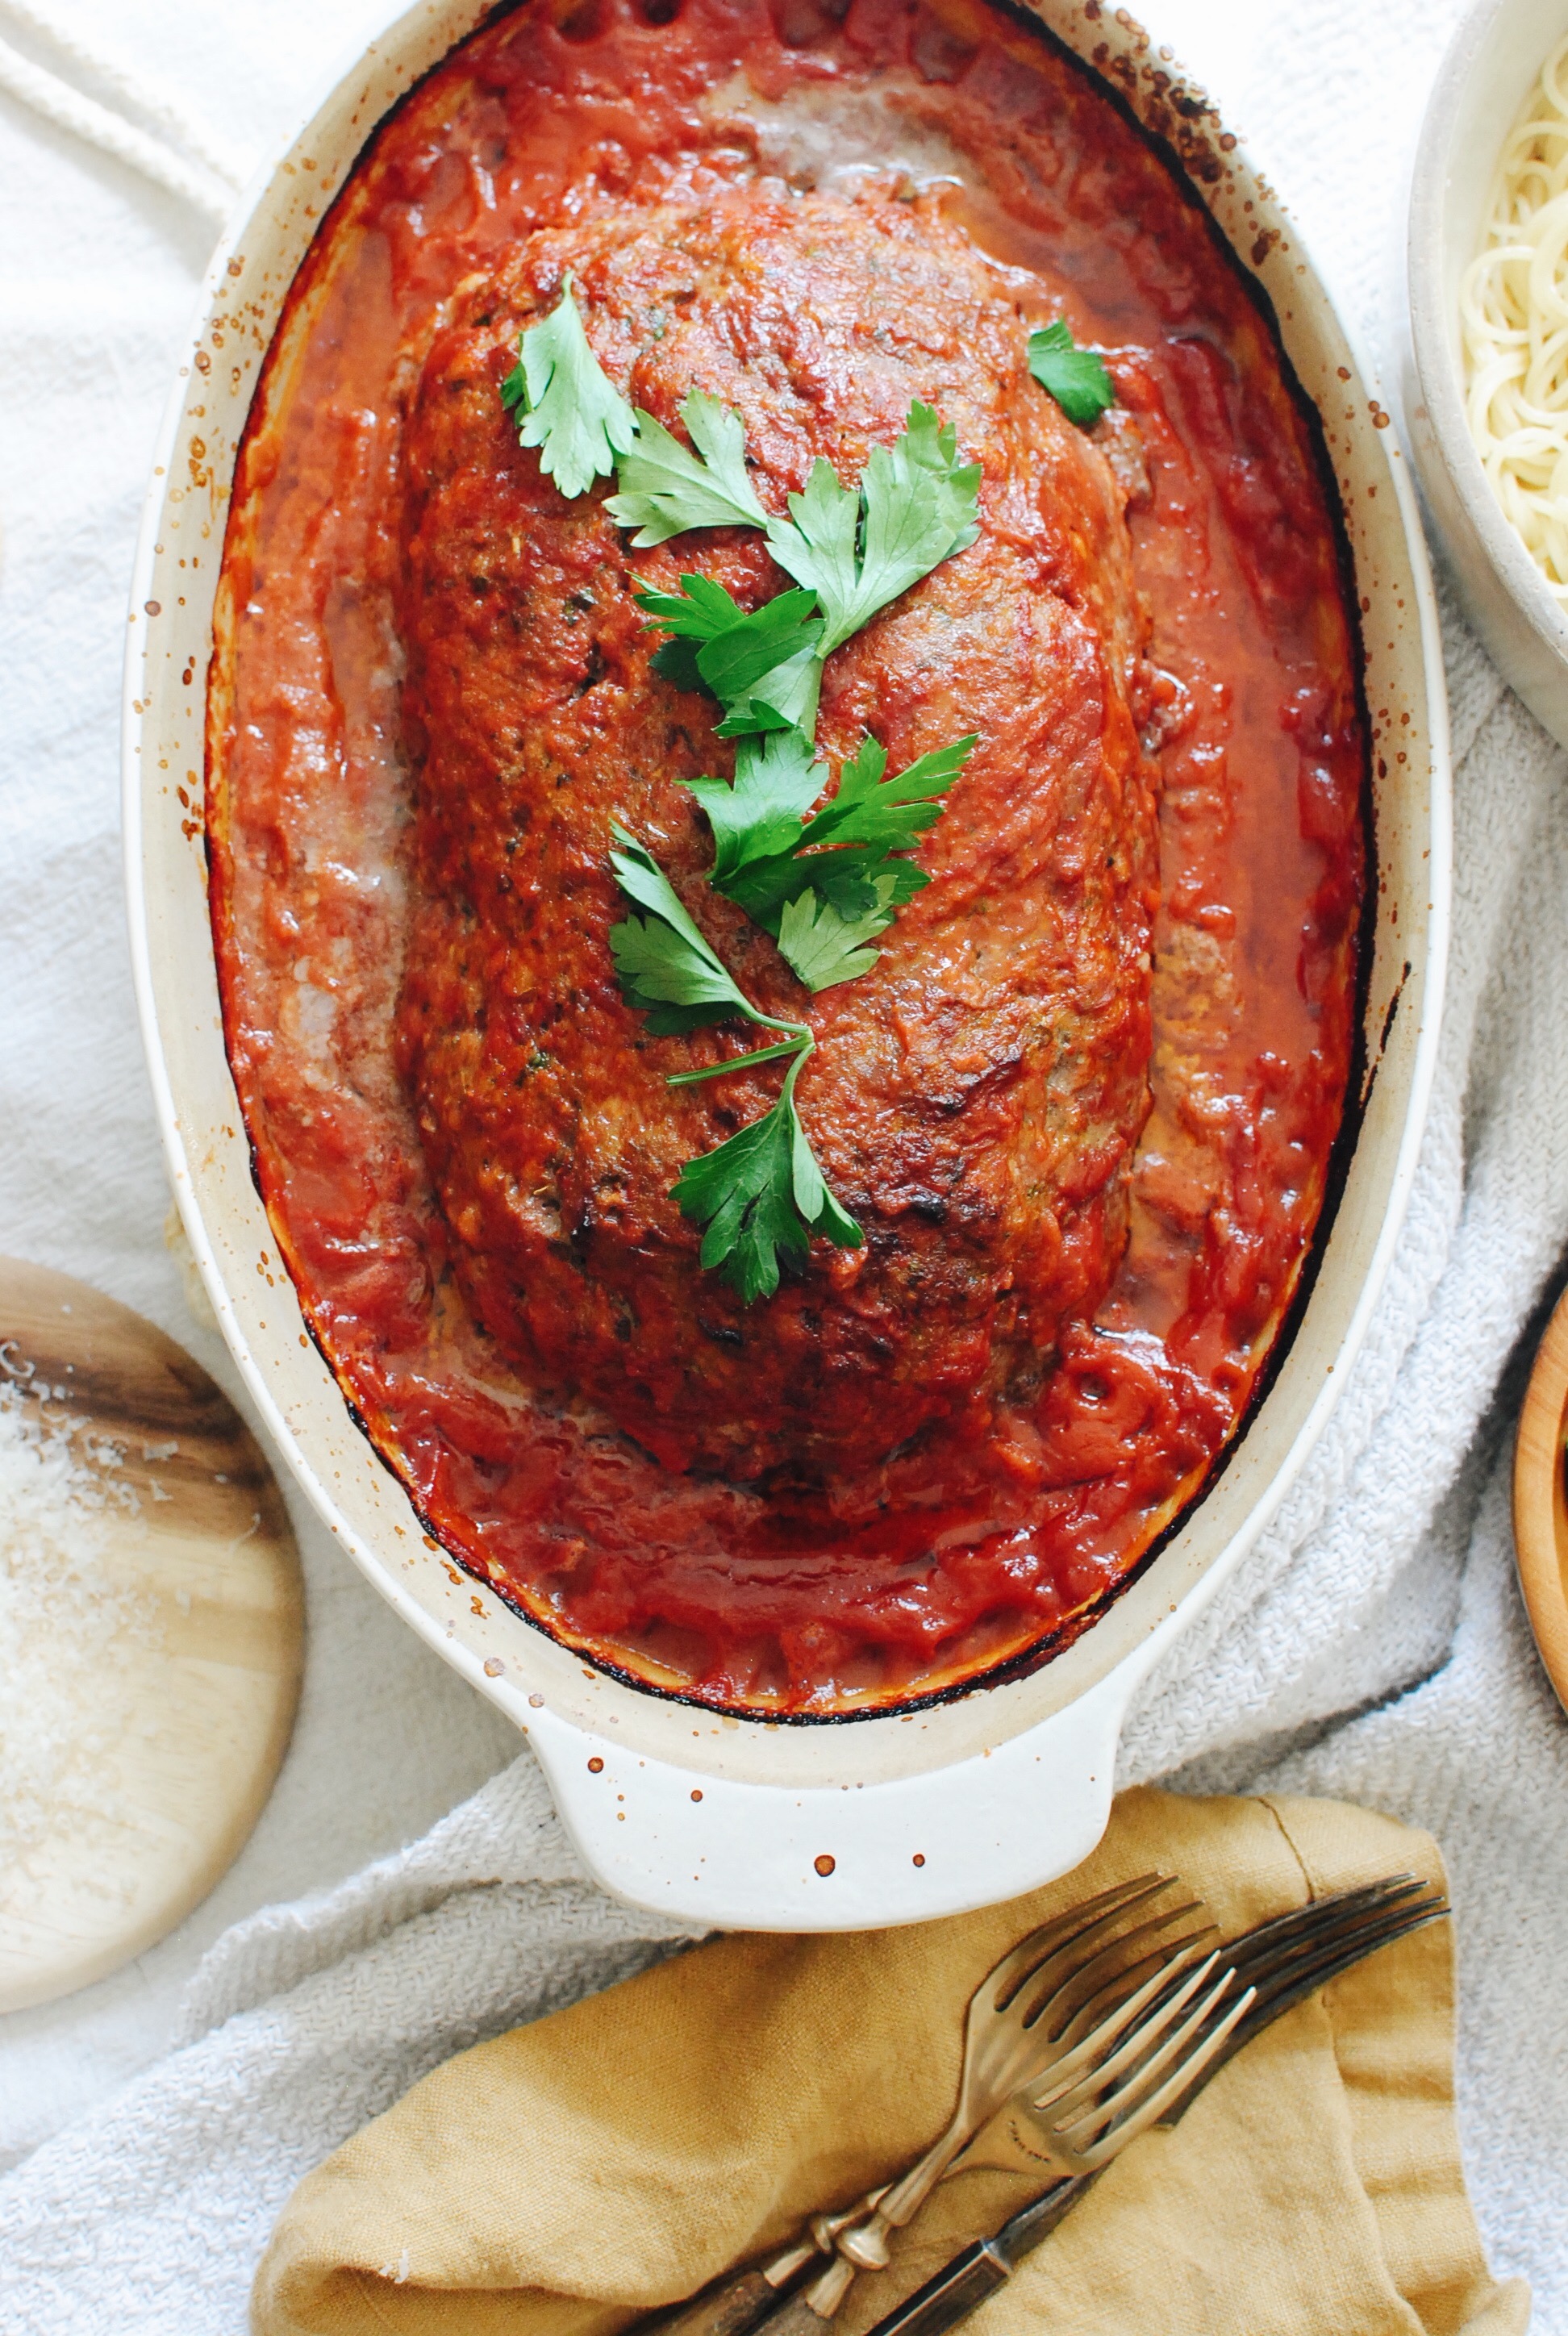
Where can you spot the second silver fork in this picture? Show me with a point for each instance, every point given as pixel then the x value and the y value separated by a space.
pixel 1061 1994
pixel 1075 2121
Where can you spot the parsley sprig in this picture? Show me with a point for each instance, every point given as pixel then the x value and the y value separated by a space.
pixel 564 404
pixel 825 887
pixel 825 883
pixel 762 1194
pixel 858 548
pixel 852 550
pixel 665 969
pixel 762 811
pixel 1077 378
pixel 765 668
pixel 850 854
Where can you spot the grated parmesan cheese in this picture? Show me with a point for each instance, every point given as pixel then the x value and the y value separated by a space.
pixel 73 1630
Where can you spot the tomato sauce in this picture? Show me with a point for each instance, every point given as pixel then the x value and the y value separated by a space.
pixel 967 1551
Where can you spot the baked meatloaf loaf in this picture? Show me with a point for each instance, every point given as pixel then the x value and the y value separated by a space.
pixel 975 1097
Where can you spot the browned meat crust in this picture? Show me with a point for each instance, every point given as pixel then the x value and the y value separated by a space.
pixel 975 1099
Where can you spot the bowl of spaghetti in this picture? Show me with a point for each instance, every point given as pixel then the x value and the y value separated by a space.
pixel 1486 389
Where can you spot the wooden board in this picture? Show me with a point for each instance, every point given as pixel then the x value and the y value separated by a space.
pixel 195 1712
pixel 1539 1510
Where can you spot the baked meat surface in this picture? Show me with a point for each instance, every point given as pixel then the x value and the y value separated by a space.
pixel 975 1098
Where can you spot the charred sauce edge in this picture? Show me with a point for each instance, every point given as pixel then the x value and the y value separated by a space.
pixel 1362 1068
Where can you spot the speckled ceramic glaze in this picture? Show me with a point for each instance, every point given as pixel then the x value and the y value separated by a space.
pixel 833 1824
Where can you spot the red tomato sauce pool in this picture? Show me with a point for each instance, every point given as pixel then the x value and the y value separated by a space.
pixel 959 1555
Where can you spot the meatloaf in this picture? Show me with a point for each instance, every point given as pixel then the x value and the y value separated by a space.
pixel 975 1098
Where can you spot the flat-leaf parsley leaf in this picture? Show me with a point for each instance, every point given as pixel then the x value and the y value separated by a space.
pixel 824 948
pixel 888 813
pixel 761 1195
pixel 665 969
pixel 856 547
pixel 1077 378
pixel 777 779
pixel 859 547
pixel 665 488
pixel 564 402
pixel 762 666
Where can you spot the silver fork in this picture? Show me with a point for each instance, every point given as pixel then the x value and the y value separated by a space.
pixel 1076 2128
pixel 1097 2099
pixel 1125 2064
pixel 1077 2124
pixel 1120 2044
pixel 1284 1961
pixel 1050 2003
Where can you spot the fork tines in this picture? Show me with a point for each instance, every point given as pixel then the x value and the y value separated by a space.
pixel 1291 1959
pixel 1063 1976
pixel 1049 1950
pixel 1287 1959
pixel 1102 2095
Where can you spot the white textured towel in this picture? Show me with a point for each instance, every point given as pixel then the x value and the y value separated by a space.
pixel 1373 1647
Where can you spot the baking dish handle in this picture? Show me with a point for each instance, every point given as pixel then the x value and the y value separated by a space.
pixel 740 1855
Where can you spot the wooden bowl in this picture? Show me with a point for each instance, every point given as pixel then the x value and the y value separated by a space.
pixel 1540 1509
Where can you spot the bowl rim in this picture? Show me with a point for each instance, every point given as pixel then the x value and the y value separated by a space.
pixel 1434 324
pixel 884 1754
pixel 1539 1504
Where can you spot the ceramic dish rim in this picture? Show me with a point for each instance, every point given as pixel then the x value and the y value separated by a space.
pixel 1188 1595
pixel 1433 326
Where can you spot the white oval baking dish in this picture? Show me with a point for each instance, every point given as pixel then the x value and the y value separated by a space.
pixel 833 1824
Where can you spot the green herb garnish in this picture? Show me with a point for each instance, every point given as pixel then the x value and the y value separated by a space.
pixel 858 548
pixel 762 813
pixel 822 945
pixel 564 403
pixel 664 488
pixel 763 666
pixel 761 1194
pixel 851 852
pixel 854 548
pixel 665 969
pixel 823 885
pixel 1077 378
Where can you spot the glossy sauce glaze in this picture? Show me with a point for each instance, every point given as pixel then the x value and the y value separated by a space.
pixel 977 1093
pixel 995 1532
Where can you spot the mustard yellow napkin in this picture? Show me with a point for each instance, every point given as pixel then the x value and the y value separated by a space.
pixel 620 2153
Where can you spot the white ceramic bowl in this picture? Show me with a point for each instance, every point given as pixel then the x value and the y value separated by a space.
pixel 832 1825
pixel 1494 57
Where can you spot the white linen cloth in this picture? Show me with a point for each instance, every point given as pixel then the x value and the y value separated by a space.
pixel 1373 1646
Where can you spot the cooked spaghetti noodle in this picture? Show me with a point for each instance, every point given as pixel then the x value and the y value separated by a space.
pixel 1513 312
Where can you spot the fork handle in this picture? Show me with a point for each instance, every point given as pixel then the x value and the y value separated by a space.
pixel 733 2308
pixel 961 2286
pixel 736 2304
pixel 797 2317
pixel 956 2292
pixel 746 2300
pixel 965 2282
pixel 864 2244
